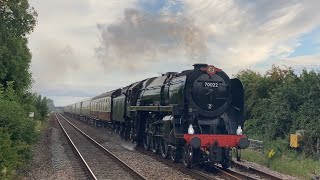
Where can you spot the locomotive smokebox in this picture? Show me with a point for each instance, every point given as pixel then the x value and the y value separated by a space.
pixel 198 66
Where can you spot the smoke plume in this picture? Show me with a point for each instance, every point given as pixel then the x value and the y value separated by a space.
pixel 56 62
pixel 145 38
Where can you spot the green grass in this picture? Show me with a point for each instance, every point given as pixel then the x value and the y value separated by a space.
pixel 253 156
pixel 41 125
pixel 291 163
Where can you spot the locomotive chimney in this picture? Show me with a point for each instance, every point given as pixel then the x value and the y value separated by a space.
pixel 198 66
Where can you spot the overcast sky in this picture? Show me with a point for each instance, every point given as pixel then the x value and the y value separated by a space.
pixel 82 48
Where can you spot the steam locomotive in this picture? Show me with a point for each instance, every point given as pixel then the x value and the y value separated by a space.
pixel 195 116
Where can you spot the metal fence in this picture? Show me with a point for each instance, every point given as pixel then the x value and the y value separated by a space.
pixel 256 145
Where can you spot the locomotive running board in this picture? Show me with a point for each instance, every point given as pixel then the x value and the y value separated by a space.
pixel 151 108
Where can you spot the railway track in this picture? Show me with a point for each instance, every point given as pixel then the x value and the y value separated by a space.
pixel 79 166
pixel 213 172
pixel 234 174
pixel 196 173
pixel 216 172
pixel 96 161
pixel 261 174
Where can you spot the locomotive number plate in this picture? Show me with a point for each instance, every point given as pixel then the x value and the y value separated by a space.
pixel 210 84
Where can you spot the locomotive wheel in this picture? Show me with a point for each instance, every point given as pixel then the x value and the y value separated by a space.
pixel 225 164
pixel 187 156
pixel 114 129
pixel 120 131
pixel 164 148
pixel 146 141
pixel 110 129
pixel 154 144
pixel 135 144
pixel 126 134
pixel 175 154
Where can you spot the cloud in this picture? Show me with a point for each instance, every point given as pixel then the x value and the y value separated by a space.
pixel 310 62
pixel 56 62
pixel 85 47
pixel 242 33
pixel 227 33
pixel 62 44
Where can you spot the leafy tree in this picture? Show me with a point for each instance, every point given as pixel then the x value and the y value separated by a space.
pixel 17 16
pixel 50 104
pixel 1 91
pixel 17 20
pixel 280 102
pixel 10 92
pixel 34 102
pixel 44 107
pixel 17 131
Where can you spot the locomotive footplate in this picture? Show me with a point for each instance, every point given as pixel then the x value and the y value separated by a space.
pixel 218 140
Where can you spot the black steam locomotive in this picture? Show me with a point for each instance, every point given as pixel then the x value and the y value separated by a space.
pixel 195 115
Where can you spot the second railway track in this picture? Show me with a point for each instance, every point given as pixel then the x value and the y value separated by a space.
pixel 99 162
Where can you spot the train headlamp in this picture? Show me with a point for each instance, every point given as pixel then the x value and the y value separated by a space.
pixel 190 129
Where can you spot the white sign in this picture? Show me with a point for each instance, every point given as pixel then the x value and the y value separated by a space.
pixel 31 114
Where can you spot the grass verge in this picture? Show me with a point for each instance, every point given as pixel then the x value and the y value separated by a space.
pixel 291 163
pixel 41 125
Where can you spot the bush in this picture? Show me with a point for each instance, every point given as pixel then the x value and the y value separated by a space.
pixel 9 158
pixel 280 147
pixel 17 133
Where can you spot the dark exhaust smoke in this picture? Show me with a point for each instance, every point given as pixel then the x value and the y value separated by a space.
pixel 141 38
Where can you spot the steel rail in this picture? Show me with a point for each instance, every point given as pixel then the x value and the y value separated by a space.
pixel 234 174
pixel 197 174
pixel 106 151
pixel 92 175
pixel 256 171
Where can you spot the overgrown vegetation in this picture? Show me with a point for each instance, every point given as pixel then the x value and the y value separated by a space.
pixel 278 103
pixel 291 163
pixel 17 129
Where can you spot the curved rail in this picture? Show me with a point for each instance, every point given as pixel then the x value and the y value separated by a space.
pixel 91 174
pixel 107 152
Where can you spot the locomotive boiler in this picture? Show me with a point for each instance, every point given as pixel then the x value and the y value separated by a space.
pixel 195 115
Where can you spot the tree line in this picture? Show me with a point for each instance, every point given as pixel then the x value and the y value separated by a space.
pixel 282 101
pixel 17 130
